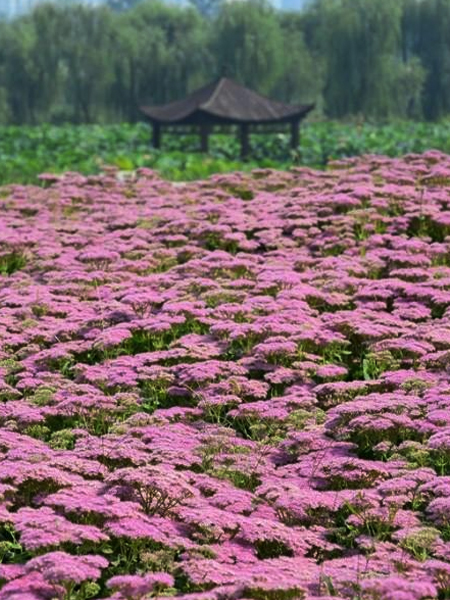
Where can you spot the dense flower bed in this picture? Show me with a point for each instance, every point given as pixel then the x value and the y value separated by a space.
pixel 230 389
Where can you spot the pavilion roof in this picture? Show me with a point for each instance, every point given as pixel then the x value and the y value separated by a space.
pixel 224 101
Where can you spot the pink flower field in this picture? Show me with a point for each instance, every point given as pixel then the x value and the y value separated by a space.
pixel 231 389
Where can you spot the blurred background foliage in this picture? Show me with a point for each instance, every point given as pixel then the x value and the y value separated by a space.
pixel 368 59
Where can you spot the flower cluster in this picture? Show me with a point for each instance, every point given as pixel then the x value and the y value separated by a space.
pixel 231 389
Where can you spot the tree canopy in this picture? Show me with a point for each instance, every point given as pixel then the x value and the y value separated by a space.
pixel 375 59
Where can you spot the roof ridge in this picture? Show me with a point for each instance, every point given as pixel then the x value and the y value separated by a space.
pixel 217 89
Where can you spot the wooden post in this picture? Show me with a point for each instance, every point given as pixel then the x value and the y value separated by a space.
pixel 245 146
pixel 156 140
pixel 295 134
pixel 204 135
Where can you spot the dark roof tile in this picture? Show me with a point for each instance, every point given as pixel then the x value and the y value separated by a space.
pixel 224 100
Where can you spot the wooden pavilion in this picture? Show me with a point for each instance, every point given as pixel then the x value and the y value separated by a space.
pixel 221 104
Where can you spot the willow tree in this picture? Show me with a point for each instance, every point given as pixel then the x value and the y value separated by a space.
pixel 360 41
pixel 19 78
pixel 47 61
pixel 430 22
pixel 301 78
pixel 87 51
pixel 162 54
pixel 248 44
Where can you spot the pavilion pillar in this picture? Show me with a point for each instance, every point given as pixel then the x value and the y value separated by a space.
pixel 156 138
pixel 245 144
pixel 295 134
pixel 204 138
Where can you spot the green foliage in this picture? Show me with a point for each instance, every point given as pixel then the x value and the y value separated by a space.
pixel 420 543
pixel 424 226
pixel 376 363
pixel 10 549
pixel 241 480
pixel 427 24
pixel 140 341
pixel 154 394
pixel 28 151
pixel 362 41
pixel 440 461
pixel 63 439
pixel 248 40
pixel 12 262
pixel 262 594
pixel 13 367
pixel 271 549
pixel 67 62
pixel 42 396
pixel 377 527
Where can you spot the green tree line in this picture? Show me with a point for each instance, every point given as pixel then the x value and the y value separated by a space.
pixel 371 59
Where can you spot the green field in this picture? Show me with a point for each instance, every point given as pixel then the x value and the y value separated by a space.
pixel 25 152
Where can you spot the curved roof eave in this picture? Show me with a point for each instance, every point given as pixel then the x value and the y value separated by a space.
pixel 202 115
pixel 296 112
